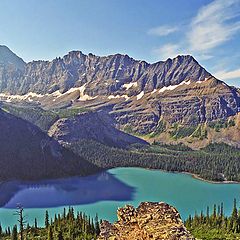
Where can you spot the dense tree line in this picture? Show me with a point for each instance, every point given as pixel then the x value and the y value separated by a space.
pixel 216 162
pixel 44 119
pixel 65 226
pixel 215 225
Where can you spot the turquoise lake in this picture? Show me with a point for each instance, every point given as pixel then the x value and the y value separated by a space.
pixel 105 192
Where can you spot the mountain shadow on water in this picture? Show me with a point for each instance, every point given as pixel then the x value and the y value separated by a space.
pixel 61 192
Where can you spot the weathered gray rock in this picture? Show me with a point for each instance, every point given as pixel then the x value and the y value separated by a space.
pixel 148 221
pixel 102 75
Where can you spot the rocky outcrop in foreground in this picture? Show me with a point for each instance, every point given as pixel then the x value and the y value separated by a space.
pixel 148 221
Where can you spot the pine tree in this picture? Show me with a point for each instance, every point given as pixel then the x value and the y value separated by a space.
pixel 21 221
pixel 14 233
pixel 64 213
pixel 46 219
pixel 234 212
pixel 214 211
pixel 221 211
pixel 97 226
pixel 35 223
pixel 207 215
pixel 50 233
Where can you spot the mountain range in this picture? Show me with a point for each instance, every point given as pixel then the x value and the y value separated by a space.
pixel 119 101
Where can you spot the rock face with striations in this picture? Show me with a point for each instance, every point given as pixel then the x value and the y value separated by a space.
pixel 102 75
pixel 188 104
pixel 139 96
pixel 148 221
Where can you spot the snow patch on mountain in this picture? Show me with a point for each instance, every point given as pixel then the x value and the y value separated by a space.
pixel 140 95
pixel 172 87
pixel 127 86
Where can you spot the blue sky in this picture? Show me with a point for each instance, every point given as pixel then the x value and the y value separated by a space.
pixel 150 30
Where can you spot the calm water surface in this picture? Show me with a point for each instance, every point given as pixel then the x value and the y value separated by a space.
pixel 105 192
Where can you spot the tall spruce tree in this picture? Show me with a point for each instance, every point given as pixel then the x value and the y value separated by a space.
pixel 46 219
pixel 14 233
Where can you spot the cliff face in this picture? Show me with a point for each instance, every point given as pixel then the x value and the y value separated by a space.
pixel 188 104
pixel 140 97
pixel 148 221
pixel 101 75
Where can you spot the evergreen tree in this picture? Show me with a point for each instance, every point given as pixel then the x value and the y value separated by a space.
pixel 221 211
pixel 234 211
pixel 21 221
pixel 97 226
pixel 46 219
pixel 14 233
pixel 35 223
pixel 50 233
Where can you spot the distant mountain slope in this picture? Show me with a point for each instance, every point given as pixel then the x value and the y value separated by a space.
pixel 11 69
pixel 7 57
pixel 188 104
pixel 71 125
pixel 28 153
pixel 96 126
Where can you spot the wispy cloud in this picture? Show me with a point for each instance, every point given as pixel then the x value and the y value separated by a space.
pixel 163 30
pixel 168 51
pixel 212 26
pixel 225 75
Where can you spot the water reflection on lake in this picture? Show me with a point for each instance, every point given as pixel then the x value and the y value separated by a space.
pixel 105 192
pixel 64 192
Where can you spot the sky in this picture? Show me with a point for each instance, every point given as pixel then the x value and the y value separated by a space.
pixel 150 30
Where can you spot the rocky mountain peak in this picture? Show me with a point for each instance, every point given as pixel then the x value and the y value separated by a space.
pixel 7 57
pixel 105 75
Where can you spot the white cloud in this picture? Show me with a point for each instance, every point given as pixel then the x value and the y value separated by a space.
pixel 203 56
pixel 225 75
pixel 163 30
pixel 212 26
pixel 167 51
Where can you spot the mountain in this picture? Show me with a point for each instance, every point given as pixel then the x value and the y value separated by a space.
pixel 11 67
pixel 25 147
pixel 104 75
pixel 172 100
pixel 188 104
pixel 8 58
pixel 148 221
pixel 96 126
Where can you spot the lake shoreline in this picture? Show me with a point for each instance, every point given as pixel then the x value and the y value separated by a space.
pixel 196 176
pixel 193 175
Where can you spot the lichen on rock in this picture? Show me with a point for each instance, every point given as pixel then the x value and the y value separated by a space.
pixel 148 221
